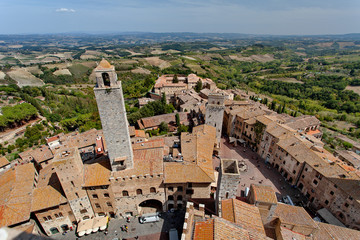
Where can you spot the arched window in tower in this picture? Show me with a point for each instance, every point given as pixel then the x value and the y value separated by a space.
pixel 106 79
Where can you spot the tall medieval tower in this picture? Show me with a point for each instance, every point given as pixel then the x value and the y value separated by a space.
pixel 110 101
pixel 215 113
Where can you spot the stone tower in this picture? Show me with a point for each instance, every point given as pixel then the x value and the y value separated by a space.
pixel 215 113
pixel 110 101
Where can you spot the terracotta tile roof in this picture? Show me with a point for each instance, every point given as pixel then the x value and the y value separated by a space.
pixel 48 192
pixel 140 133
pixel 148 159
pixel 279 131
pixel 97 174
pixel 40 154
pixel 176 172
pixel 263 193
pixel 4 162
pixel 288 234
pixel 224 229
pixel 104 64
pixel 204 230
pixel 245 215
pixel 131 131
pixel 81 140
pixel 302 122
pixel 293 215
pixel 328 231
pixel 16 187
pixel 198 147
pixel 46 197
pixel 350 156
pixel 54 138
pixel 155 121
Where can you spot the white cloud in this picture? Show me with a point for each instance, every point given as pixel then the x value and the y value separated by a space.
pixel 70 10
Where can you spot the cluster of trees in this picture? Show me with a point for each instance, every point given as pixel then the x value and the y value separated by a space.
pixel 136 85
pixel 13 116
pixel 151 109
pixel 329 90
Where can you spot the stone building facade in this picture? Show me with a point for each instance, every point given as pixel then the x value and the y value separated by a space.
pixel 228 181
pixel 56 219
pixel 215 114
pixel 69 169
pixel 110 101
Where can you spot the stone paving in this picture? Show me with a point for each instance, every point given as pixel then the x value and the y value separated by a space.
pixel 147 231
pixel 257 171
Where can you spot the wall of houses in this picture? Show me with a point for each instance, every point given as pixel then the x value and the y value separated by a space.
pixel 323 193
pixel 130 192
pixel 177 194
pixel 52 219
pixel 102 200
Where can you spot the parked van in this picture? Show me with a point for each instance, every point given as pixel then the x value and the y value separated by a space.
pixel 149 219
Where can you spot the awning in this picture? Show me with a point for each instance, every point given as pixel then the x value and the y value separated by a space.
pixel 84 226
pixel 241 140
pixel 232 139
pixel 100 223
pixel 329 218
pixel 92 225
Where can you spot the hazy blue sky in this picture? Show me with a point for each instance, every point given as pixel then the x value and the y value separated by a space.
pixel 236 16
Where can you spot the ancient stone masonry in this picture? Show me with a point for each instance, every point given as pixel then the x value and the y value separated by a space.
pixel 228 181
pixel 110 101
pixel 215 113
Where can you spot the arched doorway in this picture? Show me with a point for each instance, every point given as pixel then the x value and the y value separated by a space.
pixel 150 206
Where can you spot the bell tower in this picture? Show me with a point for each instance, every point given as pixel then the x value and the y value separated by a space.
pixel 110 101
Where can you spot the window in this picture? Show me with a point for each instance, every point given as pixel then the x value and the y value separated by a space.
pixel 77 195
pixel 86 217
pixel 45 219
pixel 335 186
pixel 138 192
pixel 56 216
pixel 315 182
pixel 104 187
pixel 180 188
pixel 294 172
pixel 109 204
pixel 171 189
pixel 331 193
pixel 346 205
pixel 326 202
pixel 106 195
pixel 125 193
pixel 189 191
pixel 83 211
pixel 106 79
pixel 303 176
pixel 60 214
pixel 350 198
pixel 190 185
pixel 49 218
pixel 72 183
pixel 97 205
pixel 179 198
pixel 170 197
pixel 95 196
pixel 153 190
pixel 297 164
